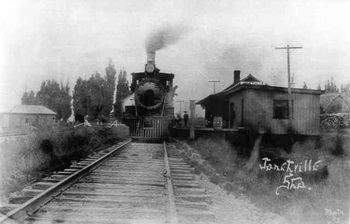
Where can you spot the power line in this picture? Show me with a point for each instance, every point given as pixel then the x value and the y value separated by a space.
pixel 214 82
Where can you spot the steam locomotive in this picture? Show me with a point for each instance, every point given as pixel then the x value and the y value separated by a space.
pixel 153 109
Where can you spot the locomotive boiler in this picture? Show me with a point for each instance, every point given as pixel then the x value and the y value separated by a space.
pixel 153 109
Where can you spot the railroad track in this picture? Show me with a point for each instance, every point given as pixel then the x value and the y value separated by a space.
pixel 128 183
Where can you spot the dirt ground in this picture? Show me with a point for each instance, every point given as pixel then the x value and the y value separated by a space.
pixel 231 209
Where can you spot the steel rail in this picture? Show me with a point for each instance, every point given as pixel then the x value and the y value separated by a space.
pixel 29 207
pixel 172 216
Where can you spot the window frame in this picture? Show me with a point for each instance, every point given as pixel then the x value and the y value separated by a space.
pixel 282 116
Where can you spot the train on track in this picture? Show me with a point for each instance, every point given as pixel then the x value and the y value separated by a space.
pixel 152 111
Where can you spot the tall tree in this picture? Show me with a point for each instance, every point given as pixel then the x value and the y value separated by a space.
pixel 31 98
pixel 331 87
pixel 48 94
pixel 122 92
pixel 94 97
pixel 109 89
pixel 28 98
pixel 96 88
pixel 65 102
pixel 24 99
pixel 81 100
pixel 56 97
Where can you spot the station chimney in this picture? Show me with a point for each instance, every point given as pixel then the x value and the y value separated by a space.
pixel 236 76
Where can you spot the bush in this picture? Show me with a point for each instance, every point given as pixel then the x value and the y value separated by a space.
pixel 218 152
pixel 50 149
pixel 329 185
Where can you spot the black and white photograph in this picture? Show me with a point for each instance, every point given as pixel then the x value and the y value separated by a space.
pixel 175 111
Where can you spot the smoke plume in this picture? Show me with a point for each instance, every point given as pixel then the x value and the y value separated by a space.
pixel 166 35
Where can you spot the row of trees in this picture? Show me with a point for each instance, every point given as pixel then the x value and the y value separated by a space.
pixel 53 95
pixel 92 98
pixel 331 87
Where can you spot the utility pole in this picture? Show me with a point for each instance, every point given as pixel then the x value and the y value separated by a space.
pixel 180 101
pixel 192 118
pixel 292 84
pixel 214 82
pixel 289 81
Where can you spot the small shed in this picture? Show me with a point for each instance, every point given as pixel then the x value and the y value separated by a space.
pixel 250 103
pixel 27 115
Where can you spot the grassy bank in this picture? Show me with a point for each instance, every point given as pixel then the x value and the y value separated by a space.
pixel 25 159
pixel 324 199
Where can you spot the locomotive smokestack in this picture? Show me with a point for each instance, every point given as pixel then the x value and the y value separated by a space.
pixel 151 57
pixel 236 76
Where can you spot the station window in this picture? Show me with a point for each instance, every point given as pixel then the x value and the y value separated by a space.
pixel 281 109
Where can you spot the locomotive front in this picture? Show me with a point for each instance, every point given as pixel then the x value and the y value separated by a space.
pixel 153 95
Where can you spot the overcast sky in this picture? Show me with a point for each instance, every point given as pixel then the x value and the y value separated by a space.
pixel 63 40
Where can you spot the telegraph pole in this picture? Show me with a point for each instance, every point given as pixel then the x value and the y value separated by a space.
pixel 289 81
pixel 214 82
pixel 192 118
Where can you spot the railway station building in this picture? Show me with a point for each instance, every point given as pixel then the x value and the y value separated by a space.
pixel 22 116
pixel 251 104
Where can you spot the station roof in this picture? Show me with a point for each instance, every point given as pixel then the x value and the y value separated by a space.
pixel 30 109
pixel 251 82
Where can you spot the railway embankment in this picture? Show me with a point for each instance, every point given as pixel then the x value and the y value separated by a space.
pixel 308 184
pixel 36 155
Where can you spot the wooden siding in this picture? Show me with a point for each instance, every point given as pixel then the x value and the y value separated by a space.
pixel 258 111
pixel 237 101
pixel 24 120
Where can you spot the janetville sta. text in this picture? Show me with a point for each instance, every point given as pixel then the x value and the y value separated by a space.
pixel 290 166
pixel 291 180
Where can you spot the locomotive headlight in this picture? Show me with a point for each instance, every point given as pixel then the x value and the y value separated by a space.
pixel 150 94
pixel 149 68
